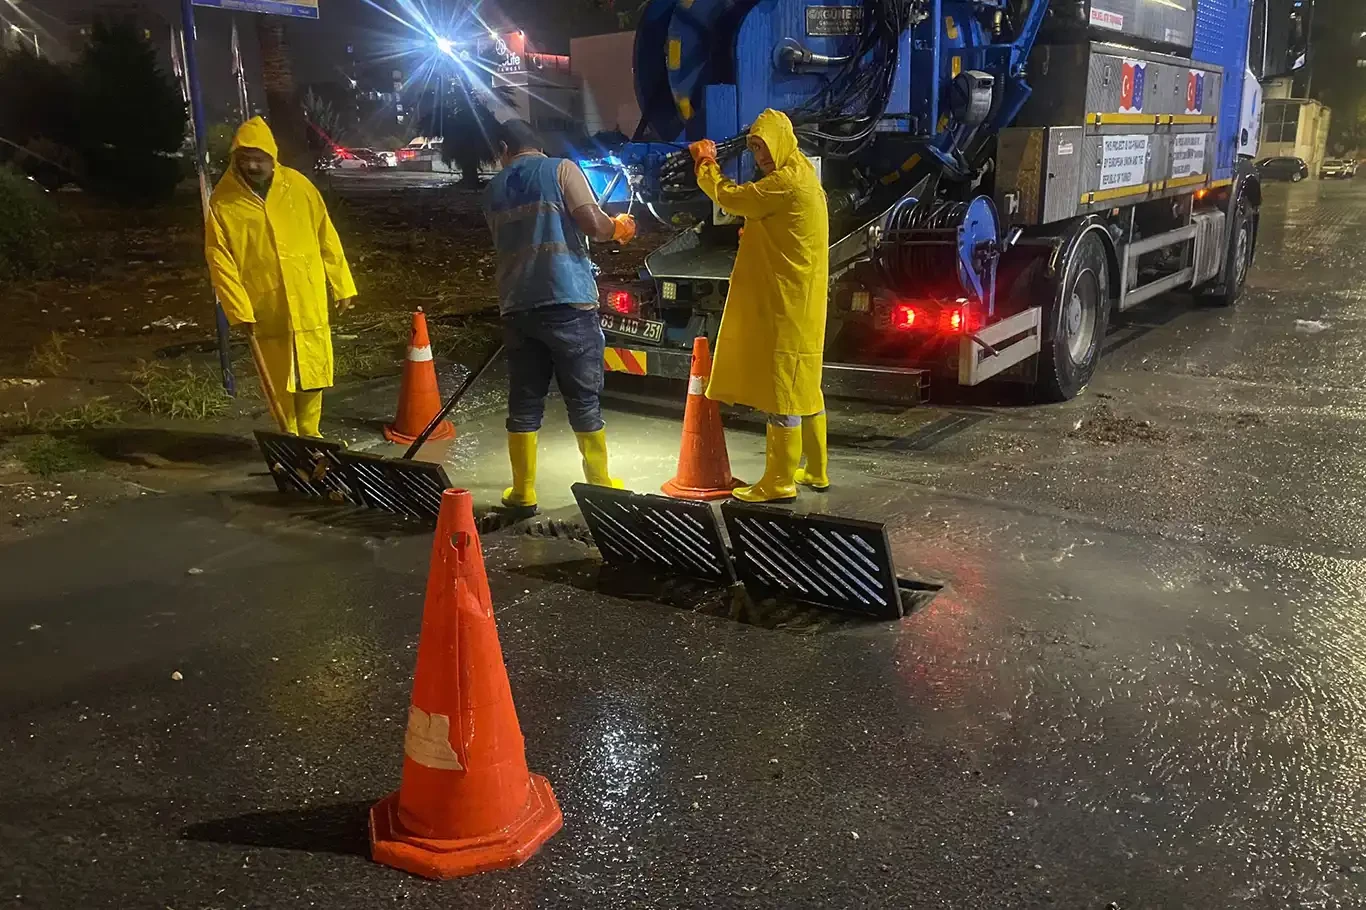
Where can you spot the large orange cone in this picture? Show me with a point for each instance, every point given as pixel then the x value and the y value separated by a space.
pixel 467 802
pixel 418 396
pixel 703 463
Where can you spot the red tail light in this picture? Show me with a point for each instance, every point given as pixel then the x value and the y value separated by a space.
pixel 904 316
pixel 624 302
pixel 958 319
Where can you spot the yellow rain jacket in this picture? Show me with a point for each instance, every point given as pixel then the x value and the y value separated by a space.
pixel 272 261
pixel 772 340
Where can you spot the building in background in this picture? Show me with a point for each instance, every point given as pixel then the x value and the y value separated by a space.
pixel 1294 127
pixel 603 66
pixel 535 87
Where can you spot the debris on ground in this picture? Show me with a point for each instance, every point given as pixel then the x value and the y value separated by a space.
pixel 173 324
pixel 1311 326
pixel 1102 426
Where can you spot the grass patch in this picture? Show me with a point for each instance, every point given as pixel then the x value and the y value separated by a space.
pixel 458 339
pixel 187 393
pixel 93 414
pixel 364 361
pixel 51 357
pixel 48 456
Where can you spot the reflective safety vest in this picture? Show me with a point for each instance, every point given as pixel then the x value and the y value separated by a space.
pixel 542 254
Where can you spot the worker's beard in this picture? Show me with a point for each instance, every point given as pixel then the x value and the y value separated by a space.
pixel 259 185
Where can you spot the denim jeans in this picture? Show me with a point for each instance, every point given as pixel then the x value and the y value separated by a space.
pixel 560 341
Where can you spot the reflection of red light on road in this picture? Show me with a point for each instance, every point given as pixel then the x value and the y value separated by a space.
pixel 939 655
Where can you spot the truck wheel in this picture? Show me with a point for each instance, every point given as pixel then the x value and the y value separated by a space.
pixel 1074 325
pixel 1242 245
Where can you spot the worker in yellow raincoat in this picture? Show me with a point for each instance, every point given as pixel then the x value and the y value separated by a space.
pixel 273 253
pixel 772 341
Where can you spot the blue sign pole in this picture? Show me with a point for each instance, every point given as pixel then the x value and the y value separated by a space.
pixel 201 167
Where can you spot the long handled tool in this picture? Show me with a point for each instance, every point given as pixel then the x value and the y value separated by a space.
pixel 451 402
pixel 267 387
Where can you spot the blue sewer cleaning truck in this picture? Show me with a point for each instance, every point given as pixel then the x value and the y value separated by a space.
pixel 1002 176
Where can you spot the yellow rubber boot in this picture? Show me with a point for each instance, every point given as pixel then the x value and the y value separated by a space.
pixel 522 455
pixel 308 411
pixel 593 448
pixel 780 467
pixel 815 475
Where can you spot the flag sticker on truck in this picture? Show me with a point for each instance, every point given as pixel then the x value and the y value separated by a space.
pixel 1195 92
pixel 1124 161
pixel 1133 87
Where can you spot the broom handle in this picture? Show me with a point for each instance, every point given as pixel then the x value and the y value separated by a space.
pixel 451 402
pixel 267 387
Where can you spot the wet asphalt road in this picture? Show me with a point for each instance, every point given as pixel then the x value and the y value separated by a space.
pixel 1144 684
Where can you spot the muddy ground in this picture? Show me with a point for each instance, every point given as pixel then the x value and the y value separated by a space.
pixel 134 293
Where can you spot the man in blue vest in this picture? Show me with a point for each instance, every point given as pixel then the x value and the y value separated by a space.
pixel 542 213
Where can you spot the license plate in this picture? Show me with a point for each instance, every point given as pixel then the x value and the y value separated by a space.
pixel 646 329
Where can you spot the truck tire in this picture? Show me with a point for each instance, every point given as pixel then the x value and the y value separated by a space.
pixel 1075 323
pixel 1242 246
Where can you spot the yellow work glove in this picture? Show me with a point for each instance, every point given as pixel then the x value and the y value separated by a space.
pixel 623 229
pixel 703 150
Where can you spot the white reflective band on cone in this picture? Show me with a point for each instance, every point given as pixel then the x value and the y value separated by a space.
pixel 696 385
pixel 421 354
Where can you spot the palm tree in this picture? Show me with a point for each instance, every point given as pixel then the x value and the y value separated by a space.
pixel 282 97
pixel 467 127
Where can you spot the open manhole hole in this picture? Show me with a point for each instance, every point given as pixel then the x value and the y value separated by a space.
pixel 496 521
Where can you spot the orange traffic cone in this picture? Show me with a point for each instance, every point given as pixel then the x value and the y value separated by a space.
pixel 418 396
pixel 703 463
pixel 466 803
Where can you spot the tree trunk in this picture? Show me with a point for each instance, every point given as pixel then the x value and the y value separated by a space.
pixel 282 97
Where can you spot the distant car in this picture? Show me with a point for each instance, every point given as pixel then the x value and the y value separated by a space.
pixel 423 154
pixel 342 159
pixel 1292 169
pixel 1338 169
pixel 389 158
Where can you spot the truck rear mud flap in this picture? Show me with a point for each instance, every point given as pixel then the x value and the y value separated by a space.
pixel 893 385
pixel 999 347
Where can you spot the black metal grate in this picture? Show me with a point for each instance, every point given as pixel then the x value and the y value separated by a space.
pixel 670 535
pixel 307 466
pixel 839 563
pixel 409 488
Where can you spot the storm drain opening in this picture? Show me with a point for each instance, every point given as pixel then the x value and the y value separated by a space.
pixel 841 563
pixel 412 489
pixel 673 536
pixel 796 572
pixel 310 467
pixel 324 470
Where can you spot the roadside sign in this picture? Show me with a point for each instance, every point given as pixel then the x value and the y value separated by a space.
pixel 301 9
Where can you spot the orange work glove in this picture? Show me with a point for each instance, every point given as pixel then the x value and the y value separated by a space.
pixel 704 150
pixel 623 229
